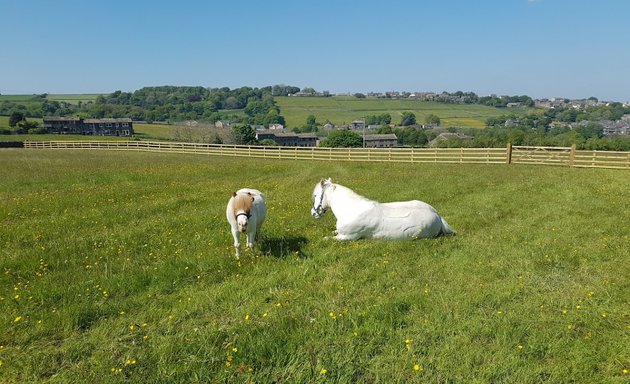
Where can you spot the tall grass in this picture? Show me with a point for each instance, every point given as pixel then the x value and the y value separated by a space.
pixel 119 267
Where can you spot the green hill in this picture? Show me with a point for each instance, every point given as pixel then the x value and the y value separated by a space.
pixel 344 109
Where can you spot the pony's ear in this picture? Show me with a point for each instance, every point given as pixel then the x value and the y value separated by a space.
pixel 233 194
pixel 252 198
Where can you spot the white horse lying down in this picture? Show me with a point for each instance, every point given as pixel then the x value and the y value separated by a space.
pixel 359 217
pixel 246 213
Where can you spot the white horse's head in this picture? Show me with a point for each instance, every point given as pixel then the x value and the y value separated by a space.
pixel 242 209
pixel 320 200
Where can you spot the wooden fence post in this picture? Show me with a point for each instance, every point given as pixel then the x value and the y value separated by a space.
pixel 572 156
pixel 508 154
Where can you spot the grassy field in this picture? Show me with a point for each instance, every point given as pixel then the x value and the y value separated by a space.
pixel 68 98
pixel 203 134
pixel 340 110
pixel 118 267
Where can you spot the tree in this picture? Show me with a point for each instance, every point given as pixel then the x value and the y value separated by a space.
pixel 15 118
pixel 359 95
pixel 408 118
pixel 244 134
pixel 269 143
pixel 432 119
pixel 343 139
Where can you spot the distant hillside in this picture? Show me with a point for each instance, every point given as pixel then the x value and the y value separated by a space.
pixel 344 109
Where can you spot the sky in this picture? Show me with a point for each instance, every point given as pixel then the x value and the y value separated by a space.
pixel 539 48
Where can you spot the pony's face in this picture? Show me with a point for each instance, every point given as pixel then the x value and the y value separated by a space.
pixel 320 202
pixel 242 219
pixel 242 205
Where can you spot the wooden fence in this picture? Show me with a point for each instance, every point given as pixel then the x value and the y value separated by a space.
pixel 563 156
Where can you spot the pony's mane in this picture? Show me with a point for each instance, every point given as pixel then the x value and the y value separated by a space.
pixel 242 202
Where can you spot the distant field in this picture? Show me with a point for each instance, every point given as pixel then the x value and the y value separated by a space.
pixel 340 110
pixel 4 121
pixel 204 134
pixel 73 99
pixel 68 98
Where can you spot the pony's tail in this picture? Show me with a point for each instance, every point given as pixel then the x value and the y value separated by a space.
pixel 446 229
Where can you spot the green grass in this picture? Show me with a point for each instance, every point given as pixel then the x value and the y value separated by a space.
pixel 68 98
pixel 340 110
pixel 118 267
pixel 73 98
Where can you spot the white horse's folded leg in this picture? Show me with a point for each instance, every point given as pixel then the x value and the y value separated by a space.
pixel 346 237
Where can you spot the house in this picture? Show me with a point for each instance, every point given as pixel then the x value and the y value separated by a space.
pixel 288 139
pixel 387 140
pixel 223 124
pixel 444 136
pixel 79 126
pixel 357 124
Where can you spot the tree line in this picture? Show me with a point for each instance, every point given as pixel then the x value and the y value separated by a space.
pixel 167 103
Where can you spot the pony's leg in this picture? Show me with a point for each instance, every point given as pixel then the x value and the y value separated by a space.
pixel 251 238
pixel 237 243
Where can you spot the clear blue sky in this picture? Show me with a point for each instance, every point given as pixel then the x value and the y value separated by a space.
pixel 540 48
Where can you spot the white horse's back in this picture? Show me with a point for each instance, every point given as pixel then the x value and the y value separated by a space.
pixel 410 219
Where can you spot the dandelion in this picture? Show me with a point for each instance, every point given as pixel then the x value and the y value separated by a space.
pixel 625 371
pixel 17 319
pixel 323 371
pixel 569 327
pixel 604 314
pixel 417 367
pixel 246 316
pixel 519 346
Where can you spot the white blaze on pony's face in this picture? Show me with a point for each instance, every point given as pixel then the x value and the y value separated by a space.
pixel 320 202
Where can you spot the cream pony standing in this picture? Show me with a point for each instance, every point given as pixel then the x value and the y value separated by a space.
pixel 246 213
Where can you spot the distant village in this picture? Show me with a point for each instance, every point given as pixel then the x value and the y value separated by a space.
pixel 283 137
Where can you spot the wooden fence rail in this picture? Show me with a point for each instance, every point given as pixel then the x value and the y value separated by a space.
pixel 564 156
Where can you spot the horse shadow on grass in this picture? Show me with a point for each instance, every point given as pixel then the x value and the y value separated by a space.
pixel 284 246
